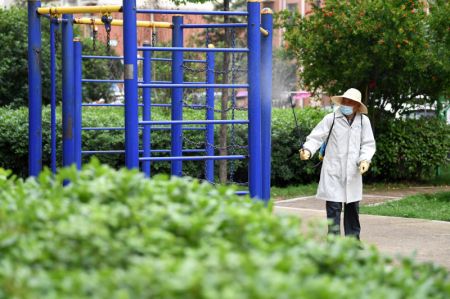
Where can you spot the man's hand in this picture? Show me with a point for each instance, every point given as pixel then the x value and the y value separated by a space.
pixel 304 154
pixel 363 166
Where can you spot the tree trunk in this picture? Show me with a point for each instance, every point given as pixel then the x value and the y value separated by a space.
pixel 224 100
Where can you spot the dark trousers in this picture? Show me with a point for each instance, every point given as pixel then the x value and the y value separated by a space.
pixel 352 226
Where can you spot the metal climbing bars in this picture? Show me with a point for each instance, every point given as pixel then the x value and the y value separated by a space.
pixel 139 127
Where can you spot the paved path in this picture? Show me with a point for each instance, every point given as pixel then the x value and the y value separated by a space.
pixel 428 240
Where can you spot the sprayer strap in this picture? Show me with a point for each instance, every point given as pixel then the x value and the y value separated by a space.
pixel 329 133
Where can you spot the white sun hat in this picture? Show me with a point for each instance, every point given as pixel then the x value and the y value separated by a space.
pixel 351 94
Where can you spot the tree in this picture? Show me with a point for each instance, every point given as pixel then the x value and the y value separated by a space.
pixel 14 61
pixel 393 51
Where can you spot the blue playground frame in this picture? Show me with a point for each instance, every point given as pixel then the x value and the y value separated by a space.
pixel 259 74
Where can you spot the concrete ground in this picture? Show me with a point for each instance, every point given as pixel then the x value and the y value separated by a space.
pixel 427 240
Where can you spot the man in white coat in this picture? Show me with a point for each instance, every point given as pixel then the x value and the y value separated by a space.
pixel 349 151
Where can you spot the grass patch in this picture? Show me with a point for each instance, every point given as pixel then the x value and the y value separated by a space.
pixel 443 178
pixel 425 206
pixel 293 191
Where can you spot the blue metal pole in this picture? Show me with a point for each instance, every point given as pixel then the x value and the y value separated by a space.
pixel 68 96
pixel 254 98
pixel 146 113
pixel 177 95
pixel 53 28
pixel 78 100
pixel 131 90
pixel 266 100
pixel 210 116
pixel 34 90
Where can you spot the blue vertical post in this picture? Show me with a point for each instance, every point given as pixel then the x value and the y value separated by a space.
pixel 78 74
pixel 53 28
pixel 146 113
pixel 254 98
pixel 266 100
pixel 68 95
pixel 177 95
pixel 34 90
pixel 210 115
pixel 130 82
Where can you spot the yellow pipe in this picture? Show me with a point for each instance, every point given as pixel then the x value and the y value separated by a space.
pixel 79 9
pixel 94 21
pixel 264 31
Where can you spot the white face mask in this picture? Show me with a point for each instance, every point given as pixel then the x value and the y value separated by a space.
pixel 346 110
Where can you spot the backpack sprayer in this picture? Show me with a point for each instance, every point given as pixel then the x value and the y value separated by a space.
pixel 323 146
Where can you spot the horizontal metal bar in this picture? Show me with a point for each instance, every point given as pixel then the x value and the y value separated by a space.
pixel 101 81
pixel 242 192
pixel 139 58
pixel 140 151
pixel 103 105
pixel 192 122
pixel 183 128
pixel 154 128
pixel 103 128
pixel 192 85
pixel 170 82
pixel 103 152
pixel 194 158
pixel 194 60
pixel 102 57
pixel 116 22
pixel 229 25
pixel 79 9
pixel 106 105
pixel 188 49
pixel 122 81
pixel 185 60
pixel 161 105
pixel 192 12
pixel 152 105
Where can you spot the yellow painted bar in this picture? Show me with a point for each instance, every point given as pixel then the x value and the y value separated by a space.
pixel 89 21
pixel 264 31
pixel 79 9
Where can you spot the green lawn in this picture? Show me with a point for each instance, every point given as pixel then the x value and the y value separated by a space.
pixel 293 191
pixel 426 206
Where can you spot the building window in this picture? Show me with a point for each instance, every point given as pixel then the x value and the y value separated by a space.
pixel 292 7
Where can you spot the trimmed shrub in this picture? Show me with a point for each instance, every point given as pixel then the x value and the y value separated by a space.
pixel 116 234
pixel 406 149
pixel 410 149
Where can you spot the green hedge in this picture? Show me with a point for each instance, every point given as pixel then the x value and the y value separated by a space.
pixel 286 166
pixel 115 234
pixel 406 150
pixel 410 149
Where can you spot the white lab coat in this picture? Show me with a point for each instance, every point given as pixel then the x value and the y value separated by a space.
pixel 340 179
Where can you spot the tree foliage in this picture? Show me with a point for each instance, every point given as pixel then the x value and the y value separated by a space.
pixel 393 51
pixel 14 61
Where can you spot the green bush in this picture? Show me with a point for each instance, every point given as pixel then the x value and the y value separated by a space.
pixel 286 167
pixel 406 149
pixel 14 61
pixel 116 234
pixel 410 149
